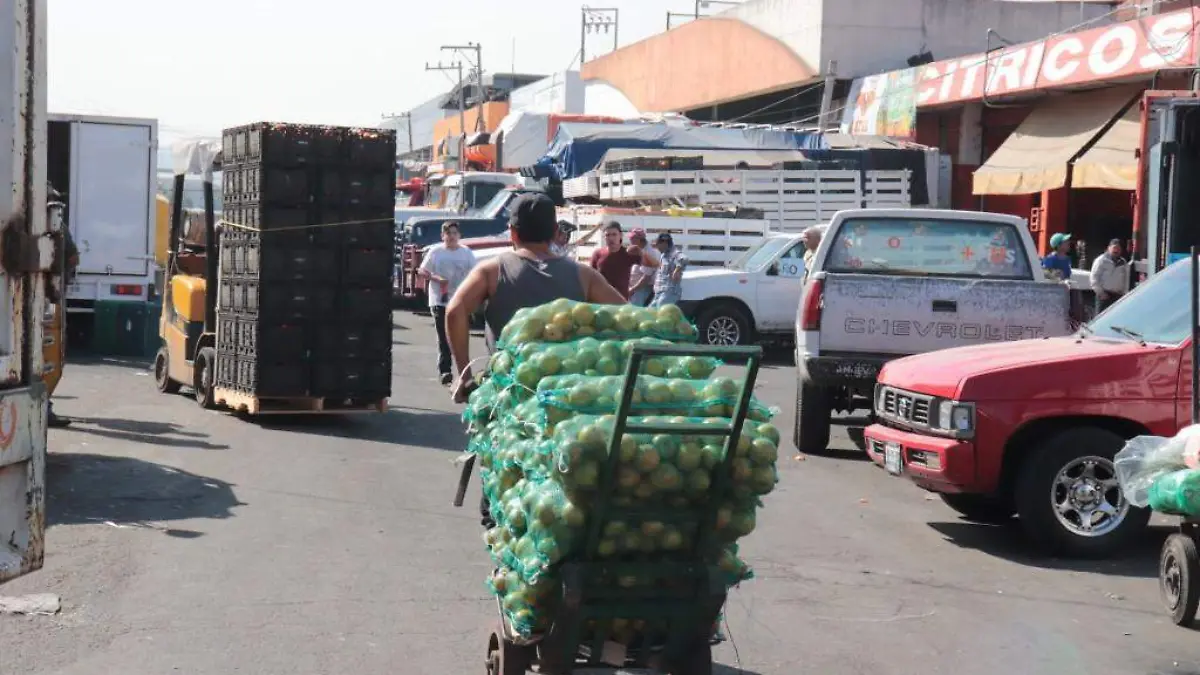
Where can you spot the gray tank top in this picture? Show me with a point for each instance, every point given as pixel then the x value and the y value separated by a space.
pixel 529 283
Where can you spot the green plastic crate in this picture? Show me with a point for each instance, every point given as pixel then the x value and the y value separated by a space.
pixel 126 328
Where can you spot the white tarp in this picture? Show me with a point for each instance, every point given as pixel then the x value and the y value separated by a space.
pixel 525 138
pixel 195 156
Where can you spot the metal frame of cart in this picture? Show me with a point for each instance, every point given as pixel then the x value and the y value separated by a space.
pixel 690 611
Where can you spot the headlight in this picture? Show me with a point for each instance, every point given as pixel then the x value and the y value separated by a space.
pixel 878 398
pixel 956 418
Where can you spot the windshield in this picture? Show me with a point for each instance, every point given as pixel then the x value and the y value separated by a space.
pixel 481 194
pixel 759 256
pixel 929 247
pixel 497 206
pixel 1156 311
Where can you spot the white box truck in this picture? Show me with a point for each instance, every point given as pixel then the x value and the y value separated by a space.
pixel 105 168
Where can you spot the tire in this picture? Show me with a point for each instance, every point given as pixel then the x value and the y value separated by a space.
pixel 813 410
pixel 505 658
pixel 1179 578
pixel 723 325
pixel 1073 470
pixel 980 509
pixel 162 373
pixel 202 374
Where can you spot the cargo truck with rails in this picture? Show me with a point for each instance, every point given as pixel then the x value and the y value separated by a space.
pixel 30 251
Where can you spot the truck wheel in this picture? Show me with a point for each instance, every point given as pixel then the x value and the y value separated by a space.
pixel 812 418
pixel 162 373
pixel 723 325
pixel 203 372
pixel 980 509
pixel 1068 497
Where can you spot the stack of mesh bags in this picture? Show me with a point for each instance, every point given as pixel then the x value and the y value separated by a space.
pixel 541 424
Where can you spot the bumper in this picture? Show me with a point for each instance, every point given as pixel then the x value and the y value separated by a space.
pixel 842 370
pixel 934 463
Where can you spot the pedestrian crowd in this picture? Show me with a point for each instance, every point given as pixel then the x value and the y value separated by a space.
pixel 637 273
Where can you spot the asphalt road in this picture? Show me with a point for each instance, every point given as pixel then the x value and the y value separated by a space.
pixel 190 541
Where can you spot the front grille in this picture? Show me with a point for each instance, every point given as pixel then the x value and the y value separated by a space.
pixel 905 407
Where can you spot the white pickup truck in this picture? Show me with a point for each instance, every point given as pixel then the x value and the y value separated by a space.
pixel 752 298
pixel 888 283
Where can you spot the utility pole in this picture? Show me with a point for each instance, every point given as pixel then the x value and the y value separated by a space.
pixel 477 69
pixel 595 19
pixel 462 106
pixel 827 95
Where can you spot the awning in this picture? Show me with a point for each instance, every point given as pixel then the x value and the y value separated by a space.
pixel 1035 157
pixel 1112 162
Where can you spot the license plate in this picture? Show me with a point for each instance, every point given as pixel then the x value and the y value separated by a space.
pixel 891 458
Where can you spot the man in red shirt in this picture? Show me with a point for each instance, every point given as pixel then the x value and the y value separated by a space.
pixel 615 261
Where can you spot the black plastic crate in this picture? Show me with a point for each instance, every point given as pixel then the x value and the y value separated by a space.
pixel 340 341
pixel 357 227
pixel 255 183
pixel 687 163
pixel 279 264
pixel 359 379
pixel 281 144
pixel 225 370
pixel 364 304
pixel 370 148
pixel 277 301
pixel 270 378
pixel 368 267
pixel 267 339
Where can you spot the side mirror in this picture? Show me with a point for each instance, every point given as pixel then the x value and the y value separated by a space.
pixel 773 270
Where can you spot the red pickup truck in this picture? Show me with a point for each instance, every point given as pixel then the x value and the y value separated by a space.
pixel 1030 428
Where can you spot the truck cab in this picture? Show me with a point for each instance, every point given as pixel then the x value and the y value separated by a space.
pixel 1030 428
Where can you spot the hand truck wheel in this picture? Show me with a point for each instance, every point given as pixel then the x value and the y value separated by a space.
pixel 1179 578
pixel 505 658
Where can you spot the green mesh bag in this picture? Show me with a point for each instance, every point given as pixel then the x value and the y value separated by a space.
pixel 564 320
pixel 714 397
pixel 1177 493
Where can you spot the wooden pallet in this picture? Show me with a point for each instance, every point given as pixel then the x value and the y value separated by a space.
pixel 250 404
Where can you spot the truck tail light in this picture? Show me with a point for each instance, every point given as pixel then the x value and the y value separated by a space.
pixel 126 289
pixel 810 306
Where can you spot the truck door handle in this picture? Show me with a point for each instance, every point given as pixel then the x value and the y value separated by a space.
pixel 948 306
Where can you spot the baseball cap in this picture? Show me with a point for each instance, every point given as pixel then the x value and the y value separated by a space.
pixel 1058 239
pixel 533 217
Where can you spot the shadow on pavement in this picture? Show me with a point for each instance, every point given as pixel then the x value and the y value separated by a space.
pixel 89 359
pixel 418 427
pixel 1009 543
pixel 129 492
pixel 164 434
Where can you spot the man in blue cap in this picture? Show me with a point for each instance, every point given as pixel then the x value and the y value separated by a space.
pixel 1058 263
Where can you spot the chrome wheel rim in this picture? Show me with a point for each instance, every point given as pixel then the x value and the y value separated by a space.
pixel 723 331
pixel 1087 498
pixel 1172 580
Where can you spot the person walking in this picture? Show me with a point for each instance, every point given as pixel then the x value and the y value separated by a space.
pixel 615 261
pixel 641 278
pixel 1058 263
pixel 527 276
pixel 68 263
pixel 668 278
pixel 812 239
pixel 1110 276
pixel 445 266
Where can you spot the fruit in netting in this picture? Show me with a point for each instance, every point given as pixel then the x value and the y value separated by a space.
pixel 607 366
pixel 763 451
pixel 629 449
pixel 666 478
pixel 648 458
pixel 698 482
pixel 583 315
pixel 762 480
pixel 666 446
pixel 655 367
pixel 743 521
pixel 607 548
pixel 628 478
pixel 689 457
pixel 554 333
pixel 528 375
pixel 672 539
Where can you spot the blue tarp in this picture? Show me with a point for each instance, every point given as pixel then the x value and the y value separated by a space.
pixel 578 147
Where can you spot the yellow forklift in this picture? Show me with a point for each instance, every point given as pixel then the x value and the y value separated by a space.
pixel 187 326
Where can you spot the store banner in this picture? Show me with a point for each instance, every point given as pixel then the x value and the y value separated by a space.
pixel 882 105
pixel 1114 52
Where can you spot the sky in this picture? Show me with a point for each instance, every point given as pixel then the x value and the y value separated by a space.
pixel 200 66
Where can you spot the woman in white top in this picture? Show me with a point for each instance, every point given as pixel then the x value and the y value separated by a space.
pixel 641 278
